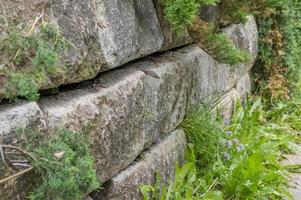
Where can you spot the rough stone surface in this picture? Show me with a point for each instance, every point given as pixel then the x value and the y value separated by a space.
pixel 102 34
pixel 245 37
pixel 244 86
pixel 129 108
pixel 295 182
pixel 167 83
pixel 129 30
pixel 114 106
pixel 76 20
pixel 18 116
pixel 161 158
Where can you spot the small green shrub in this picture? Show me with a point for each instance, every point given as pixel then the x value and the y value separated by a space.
pixel 183 15
pixel 64 162
pixel 205 135
pixel 30 57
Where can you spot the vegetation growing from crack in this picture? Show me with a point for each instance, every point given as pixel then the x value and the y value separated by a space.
pixel 61 161
pixel 246 161
pixel 30 57
pixel 183 15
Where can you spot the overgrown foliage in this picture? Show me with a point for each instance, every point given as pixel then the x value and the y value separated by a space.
pixel 246 161
pixel 183 15
pixel 64 162
pixel 30 57
pixel 279 23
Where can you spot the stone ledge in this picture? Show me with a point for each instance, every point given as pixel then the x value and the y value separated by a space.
pixel 161 158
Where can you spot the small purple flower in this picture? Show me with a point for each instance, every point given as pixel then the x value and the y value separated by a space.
pixel 229 133
pixel 227 156
pixel 235 141
pixel 229 143
pixel 240 148
pixel 227 121
pixel 158 141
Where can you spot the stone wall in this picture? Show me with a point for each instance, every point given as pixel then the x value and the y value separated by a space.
pixel 136 108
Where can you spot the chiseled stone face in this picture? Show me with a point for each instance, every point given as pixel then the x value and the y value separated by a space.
pixel 161 158
pixel 114 108
pixel 103 34
pixel 77 22
pixel 128 29
pixel 19 116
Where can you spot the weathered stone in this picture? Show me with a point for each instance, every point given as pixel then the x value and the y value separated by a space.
pixel 161 158
pixel 114 107
pixel 295 181
pixel 171 38
pixel 167 83
pixel 245 37
pixel 244 86
pixel 102 34
pixel 76 20
pixel 211 78
pixel 19 116
pixel 129 29
pixel 226 103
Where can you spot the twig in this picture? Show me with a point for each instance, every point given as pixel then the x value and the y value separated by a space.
pixel 30 32
pixel 15 175
pixel 18 149
pixel 3 157
pixel 21 165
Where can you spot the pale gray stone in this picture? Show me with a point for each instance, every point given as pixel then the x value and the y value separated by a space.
pixel 114 108
pixel 129 30
pixel 77 21
pixel 19 116
pixel 295 178
pixel 161 158
pixel 244 86
pixel 167 83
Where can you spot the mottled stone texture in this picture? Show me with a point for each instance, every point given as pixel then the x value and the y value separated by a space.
pixel 129 30
pixel 129 108
pixel 161 158
pixel 114 106
pixel 19 116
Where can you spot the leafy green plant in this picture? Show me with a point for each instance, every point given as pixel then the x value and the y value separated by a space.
pixel 246 161
pixel 64 162
pixel 205 135
pixel 183 15
pixel 30 57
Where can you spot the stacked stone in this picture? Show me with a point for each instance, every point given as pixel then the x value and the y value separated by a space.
pixel 130 107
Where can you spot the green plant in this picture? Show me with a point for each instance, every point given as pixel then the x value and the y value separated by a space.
pixel 30 57
pixel 246 161
pixel 205 135
pixel 183 15
pixel 278 65
pixel 64 162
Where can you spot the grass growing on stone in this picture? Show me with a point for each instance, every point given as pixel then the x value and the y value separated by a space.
pixel 64 162
pixel 30 57
pixel 183 15
pixel 245 162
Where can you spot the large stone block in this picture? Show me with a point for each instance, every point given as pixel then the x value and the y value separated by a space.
pixel 113 105
pixel 161 158
pixel 103 34
pixel 167 83
pixel 129 30
pixel 78 23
